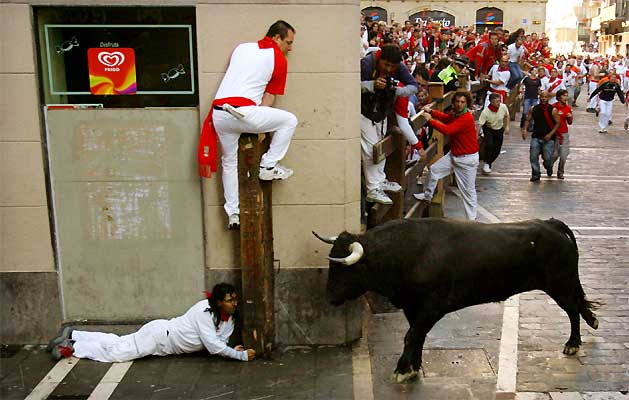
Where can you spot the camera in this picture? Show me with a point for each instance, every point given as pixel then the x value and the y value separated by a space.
pixel 392 82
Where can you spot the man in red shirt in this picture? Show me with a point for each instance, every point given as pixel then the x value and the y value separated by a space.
pixel 562 113
pixel 484 54
pixel 462 159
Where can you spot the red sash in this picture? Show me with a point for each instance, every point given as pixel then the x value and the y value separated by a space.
pixel 207 155
pixel 555 85
pixel 502 93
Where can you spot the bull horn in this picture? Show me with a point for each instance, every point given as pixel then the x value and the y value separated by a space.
pixel 329 240
pixel 357 253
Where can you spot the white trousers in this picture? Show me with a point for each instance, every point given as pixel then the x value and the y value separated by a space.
pixel 594 100
pixel 371 134
pixel 464 168
pixel 258 119
pixel 151 339
pixel 605 114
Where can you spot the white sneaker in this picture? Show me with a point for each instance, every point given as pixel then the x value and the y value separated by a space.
pixel 378 196
pixel 486 168
pixel 602 131
pixel 421 197
pixel 392 187
pixel 277 172
pixel 234 222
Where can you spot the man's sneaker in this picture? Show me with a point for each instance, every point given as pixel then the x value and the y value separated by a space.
pixel 421 197
pixel 534 179
pixel 559 175
pixel 62 350
pixel 590 110
pixel 234 222
pixel 65 332
pixel 392 187
pixel 486 168
pixel 610 123
pixel 277 172
pixel 378 196
pixel 549 172
pixel 602 131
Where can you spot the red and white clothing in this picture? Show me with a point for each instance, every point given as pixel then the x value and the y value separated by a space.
pixel 462 159
pixel 254 68
pixel 191 332
pixel 552 86
pixel 498 74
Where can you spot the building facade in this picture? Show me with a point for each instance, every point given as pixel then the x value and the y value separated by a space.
pixel 103 218
pixel 527 14
pixel 610 27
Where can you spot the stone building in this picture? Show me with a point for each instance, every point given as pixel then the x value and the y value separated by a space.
pixel 527 14
pixel 103 218
pixel 610 27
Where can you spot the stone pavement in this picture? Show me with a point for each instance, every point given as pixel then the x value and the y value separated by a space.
pixel 462 352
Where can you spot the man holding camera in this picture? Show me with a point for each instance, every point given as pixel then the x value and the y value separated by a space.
pixel 380 74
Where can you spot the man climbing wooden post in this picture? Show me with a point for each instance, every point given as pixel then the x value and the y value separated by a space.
pixel 243 104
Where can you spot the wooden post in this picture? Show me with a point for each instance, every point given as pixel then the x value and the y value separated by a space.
pixel 256 247
pixel 435 89
pixel 394 169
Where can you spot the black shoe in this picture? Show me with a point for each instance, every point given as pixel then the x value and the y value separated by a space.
pixel 610 122
pixel 549 172
pixel 534 179
pixel 65 333
pixel 590 110
pixel 559 175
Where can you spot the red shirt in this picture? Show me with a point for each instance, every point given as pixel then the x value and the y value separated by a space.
pixel 563 120
pixel 460 129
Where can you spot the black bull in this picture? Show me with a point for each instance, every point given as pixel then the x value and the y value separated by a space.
pixel 431 267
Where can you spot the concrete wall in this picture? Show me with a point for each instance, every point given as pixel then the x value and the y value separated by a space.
pixel 28 281
pixel 465 11
pixel 324 193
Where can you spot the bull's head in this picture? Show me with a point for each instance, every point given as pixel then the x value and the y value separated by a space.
pixel 343 277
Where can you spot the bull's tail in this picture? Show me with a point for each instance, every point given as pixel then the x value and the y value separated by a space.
pixel 587 308
pixel 565 229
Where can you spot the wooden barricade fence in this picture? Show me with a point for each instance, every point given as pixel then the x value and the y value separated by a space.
pixel 256 247
pixel 393 148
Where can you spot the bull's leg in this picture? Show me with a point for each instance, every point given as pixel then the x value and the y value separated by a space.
pixel 411 359
pixel 570 304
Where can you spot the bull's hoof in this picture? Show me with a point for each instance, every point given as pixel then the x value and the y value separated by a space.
pixel 401 378
pixel 570 350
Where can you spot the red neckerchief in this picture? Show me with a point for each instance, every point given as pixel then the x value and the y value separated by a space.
pixel 503 69
pixel 493 108
pixel 224 317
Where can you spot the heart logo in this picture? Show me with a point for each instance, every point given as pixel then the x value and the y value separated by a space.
pixel 112 59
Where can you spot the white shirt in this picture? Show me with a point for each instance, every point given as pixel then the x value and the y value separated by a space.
pixel 552 88
pixel 503 76
pixel 569 78
pixel 514 53
pixel 494 120
pixel 250 70
pixel 195 330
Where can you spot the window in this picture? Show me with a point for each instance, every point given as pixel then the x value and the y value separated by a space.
pixel 155 47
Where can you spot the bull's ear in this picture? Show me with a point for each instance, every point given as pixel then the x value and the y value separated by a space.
pixel 329 240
